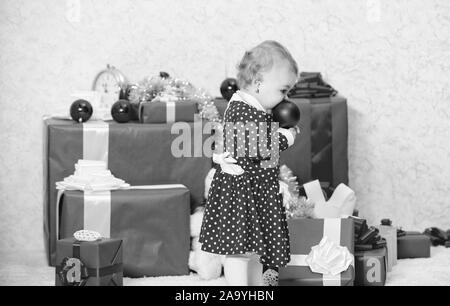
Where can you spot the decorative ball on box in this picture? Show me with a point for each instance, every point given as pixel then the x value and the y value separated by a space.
pixel 164 75
pixel 121 111
pixel 228 88
pixel 81 110
pixel 286 113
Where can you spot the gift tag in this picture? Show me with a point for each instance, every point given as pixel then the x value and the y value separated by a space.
pixel 86 235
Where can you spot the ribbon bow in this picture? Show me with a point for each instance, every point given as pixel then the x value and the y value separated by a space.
pixel 341 203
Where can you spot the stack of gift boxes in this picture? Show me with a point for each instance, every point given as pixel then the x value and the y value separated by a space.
pixel 151 217
pixel 146 230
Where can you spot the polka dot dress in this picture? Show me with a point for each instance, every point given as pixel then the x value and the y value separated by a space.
pixel 245 213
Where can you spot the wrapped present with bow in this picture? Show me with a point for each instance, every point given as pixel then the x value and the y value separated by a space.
pixel 89 263
pixel 321 253
pixel 166 99
pixel 153 222
pixel 140 154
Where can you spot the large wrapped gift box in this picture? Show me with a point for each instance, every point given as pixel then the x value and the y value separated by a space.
pixel 140 154
pixel 153 224
pixel 167 112
pixel 89 263
pixel 320 150
pixel 307 233
pixel 371 267
pixel 413 245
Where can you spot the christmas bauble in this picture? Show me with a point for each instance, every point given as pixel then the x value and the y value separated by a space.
pixel 286 113
pixel 81 110
pixel 163 75
pixel 121 111
pixel 228 88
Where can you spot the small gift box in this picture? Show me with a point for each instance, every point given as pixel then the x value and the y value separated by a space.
pixel 153 223
pixel 413 245
pixel 88 263
pixel 167 112
pixel 371 267
pixel 321 253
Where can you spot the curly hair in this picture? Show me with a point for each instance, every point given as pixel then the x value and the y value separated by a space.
pixel 260 59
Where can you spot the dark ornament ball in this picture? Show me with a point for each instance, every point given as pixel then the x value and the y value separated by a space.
pixel 121 111
pixel 81 110
pixel 228 88
pixel 164 75
pixel 286 113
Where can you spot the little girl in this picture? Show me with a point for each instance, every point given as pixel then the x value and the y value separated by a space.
pixel 244 216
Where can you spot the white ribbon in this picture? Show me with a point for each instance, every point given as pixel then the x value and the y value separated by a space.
pixel 170 111
pixel 96 140
pixel 341 203
pixel 97 212
pixel 332 230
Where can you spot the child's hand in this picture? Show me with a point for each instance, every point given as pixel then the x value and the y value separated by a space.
pixel 290 134
pixel 295 130
pixel 227 163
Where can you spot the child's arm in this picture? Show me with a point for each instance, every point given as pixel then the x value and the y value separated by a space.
pixel 259 144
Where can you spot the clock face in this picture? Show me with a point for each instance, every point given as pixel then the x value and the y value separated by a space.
pixel 107 84
pixel 109 88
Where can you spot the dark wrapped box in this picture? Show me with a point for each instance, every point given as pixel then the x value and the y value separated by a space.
pixel 140 154
pixel 371 267
pixel 221 105
pixel 413 245
pixel 83 263
pixel 306 233
pixel 322 144
pixel 153 224
pixel 167 112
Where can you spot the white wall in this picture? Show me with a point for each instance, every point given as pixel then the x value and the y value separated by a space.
pixel 391 59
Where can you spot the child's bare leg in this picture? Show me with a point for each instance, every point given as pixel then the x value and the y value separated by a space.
pixel 243 270
pixel 255 271
pixel 236 270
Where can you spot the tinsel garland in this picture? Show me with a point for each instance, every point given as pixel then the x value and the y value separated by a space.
pixel 165 88
pixel 296 206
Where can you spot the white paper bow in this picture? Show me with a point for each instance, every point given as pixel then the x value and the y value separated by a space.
pixel 340 204
pixel 91 175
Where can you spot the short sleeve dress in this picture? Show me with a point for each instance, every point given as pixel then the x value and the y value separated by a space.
pixel 245 213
